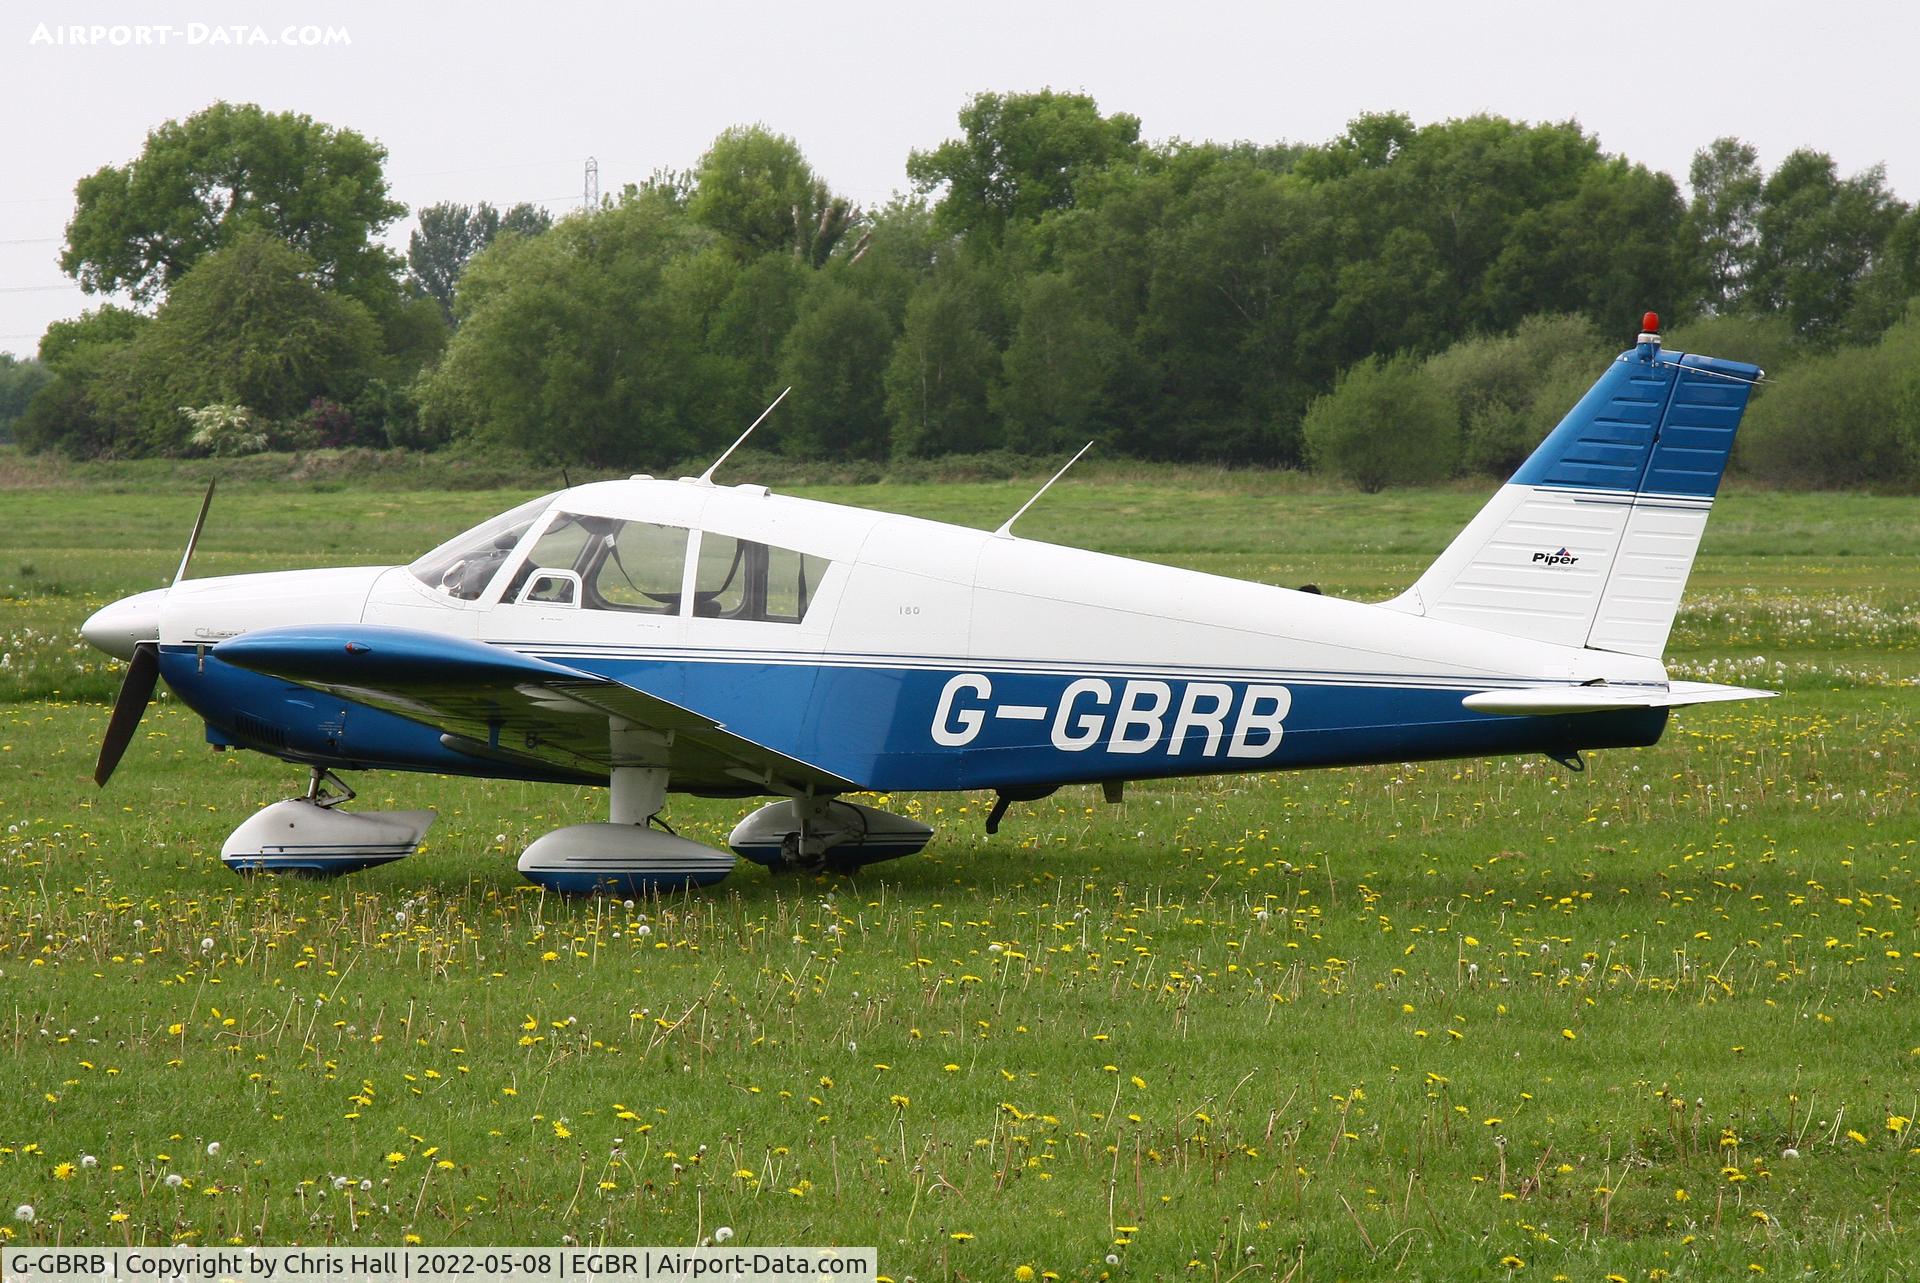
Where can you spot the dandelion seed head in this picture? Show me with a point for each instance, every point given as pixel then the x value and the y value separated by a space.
pixel 24 1213
pixel 722 1233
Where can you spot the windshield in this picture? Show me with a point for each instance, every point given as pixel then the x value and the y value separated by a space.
pixel 464 565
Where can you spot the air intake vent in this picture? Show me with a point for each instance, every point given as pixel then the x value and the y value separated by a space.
pixel 257 732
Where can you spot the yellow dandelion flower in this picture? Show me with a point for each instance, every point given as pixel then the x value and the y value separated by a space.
pixel 1568 1034
pixel 1023 1274
pixel 63 1171
pixel 561 1130
pixel 961 1236
pixel 1856 1137
pixel 1139 1082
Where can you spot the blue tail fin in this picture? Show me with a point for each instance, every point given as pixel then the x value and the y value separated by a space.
pixel 1591 541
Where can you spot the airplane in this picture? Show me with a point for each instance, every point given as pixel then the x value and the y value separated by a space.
pixel 659 636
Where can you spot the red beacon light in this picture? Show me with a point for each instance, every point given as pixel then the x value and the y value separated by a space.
pixel 1649 340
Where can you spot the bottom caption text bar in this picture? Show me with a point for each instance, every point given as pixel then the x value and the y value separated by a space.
pixel 435 1265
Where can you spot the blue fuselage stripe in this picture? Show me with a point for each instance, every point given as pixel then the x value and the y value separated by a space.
pixel 898 727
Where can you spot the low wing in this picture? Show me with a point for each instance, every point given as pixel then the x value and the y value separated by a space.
pixel 498 704
pixel 1544 701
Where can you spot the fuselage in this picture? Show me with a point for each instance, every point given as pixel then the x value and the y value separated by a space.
pixel 894 652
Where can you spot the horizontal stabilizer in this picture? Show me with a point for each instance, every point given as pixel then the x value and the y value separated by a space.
pixel 1549 701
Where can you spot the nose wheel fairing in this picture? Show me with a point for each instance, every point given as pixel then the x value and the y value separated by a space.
pixel 318 840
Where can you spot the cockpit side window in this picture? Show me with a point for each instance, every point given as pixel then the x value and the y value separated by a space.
pixel 636 565
pixel 564 545
pixel 463 566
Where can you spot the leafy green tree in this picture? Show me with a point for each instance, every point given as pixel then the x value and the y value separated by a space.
pixel 1461 186
pixel 202 183
pixel 1765 339
pixel 757 190
pixel 1020 156
pixel 253 325
pixel 1613 249
pixel 1889 283
pixel 102 327
pixel 835 359
pixel 1508 391
pixel 750 323
pixel 1840 419
pixel 450 234
pixel 1384 424
pixel 1233 337
pixel 1819 235
pixel 88 409
pixel 19 381
pixel 1057 372
pixel 1726 181
pixel 940 380
pixel 575 345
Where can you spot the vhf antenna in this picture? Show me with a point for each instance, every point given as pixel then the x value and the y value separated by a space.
pixel 706 478
pixel 1006 527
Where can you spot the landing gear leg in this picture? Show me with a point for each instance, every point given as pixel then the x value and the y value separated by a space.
pixel 804 850
pixel 319 794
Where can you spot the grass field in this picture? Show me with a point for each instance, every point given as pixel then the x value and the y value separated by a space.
pixel 1447 1020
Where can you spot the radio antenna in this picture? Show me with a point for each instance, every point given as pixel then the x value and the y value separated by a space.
pixel 1006 527
pixel 706 478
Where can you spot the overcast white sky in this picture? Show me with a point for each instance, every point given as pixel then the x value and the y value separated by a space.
pixel 504 102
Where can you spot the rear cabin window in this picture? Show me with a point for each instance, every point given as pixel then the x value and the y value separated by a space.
pixel 740 579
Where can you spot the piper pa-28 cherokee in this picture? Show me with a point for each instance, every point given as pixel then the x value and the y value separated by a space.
pixel 659 636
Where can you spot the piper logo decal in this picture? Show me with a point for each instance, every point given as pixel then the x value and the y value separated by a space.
pixel 1141 716
pixel 1561 558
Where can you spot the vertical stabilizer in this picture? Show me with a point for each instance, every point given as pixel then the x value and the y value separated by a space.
pixel 1591 541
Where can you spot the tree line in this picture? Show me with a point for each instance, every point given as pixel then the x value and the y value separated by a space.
pixel 1054 278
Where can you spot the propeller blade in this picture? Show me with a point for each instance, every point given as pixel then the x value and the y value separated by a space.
pixel 136 689
pixel 194 538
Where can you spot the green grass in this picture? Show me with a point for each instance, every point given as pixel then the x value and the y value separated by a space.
pixel 1402 1021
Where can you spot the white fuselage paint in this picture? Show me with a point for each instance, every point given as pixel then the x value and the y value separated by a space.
pixel 1151 648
